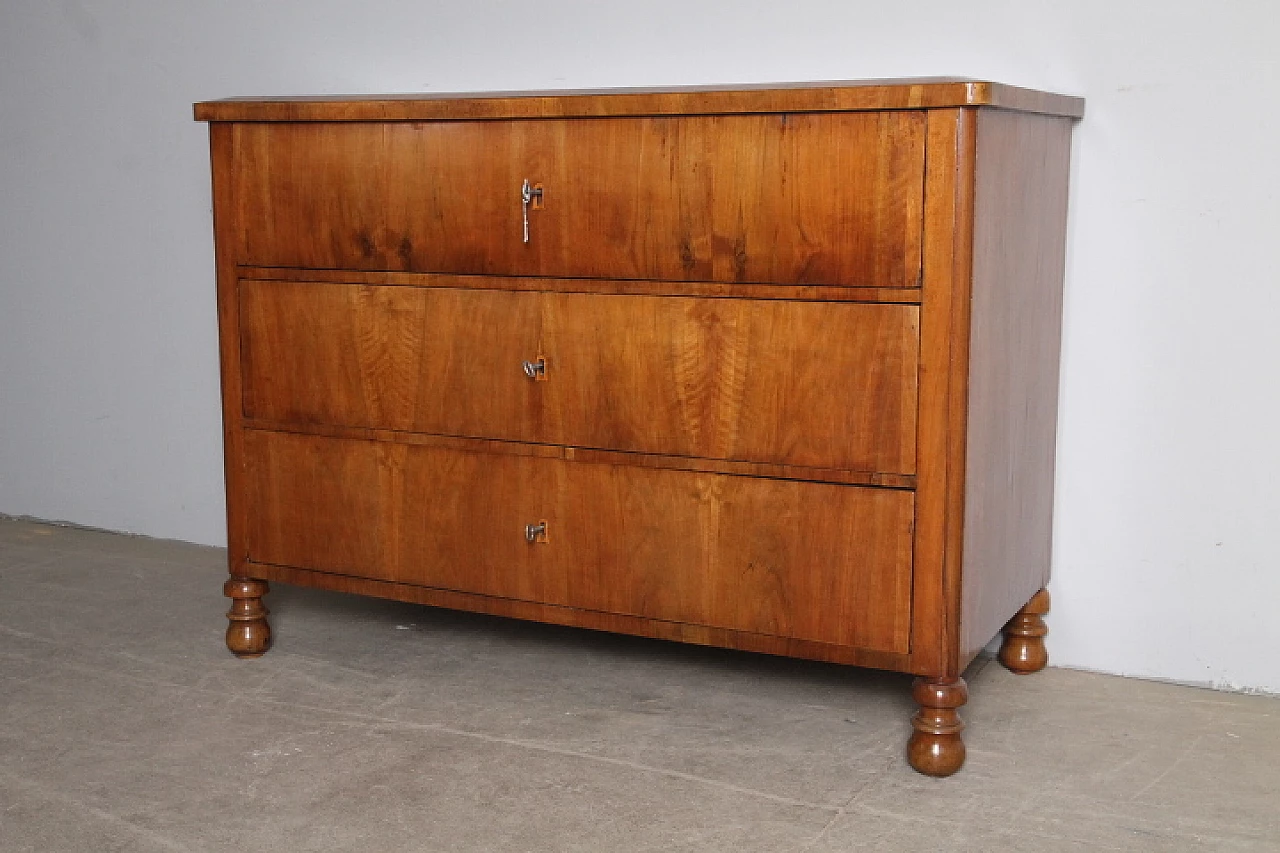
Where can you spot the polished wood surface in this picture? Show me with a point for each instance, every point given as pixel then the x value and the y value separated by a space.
pixel 222 162
pixel 1023 648
pixel 604 457
pixel 789 383
pixel 640 626
pixel 1019 254
pixel 936 747
pixel 804 560
pixel 807 199
pixel 948 223
pixel 846 95
pixel 791 353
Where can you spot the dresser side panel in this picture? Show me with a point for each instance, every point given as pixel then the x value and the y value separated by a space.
pixel 1019 248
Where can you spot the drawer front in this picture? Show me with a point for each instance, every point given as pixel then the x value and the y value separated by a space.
pixel 800 383
pixel 810 198
pixel 812 561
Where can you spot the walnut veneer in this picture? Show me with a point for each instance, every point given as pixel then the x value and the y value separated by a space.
pixel 769 368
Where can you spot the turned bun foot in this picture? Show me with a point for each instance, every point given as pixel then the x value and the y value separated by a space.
pixel 248 635
pixel 935 748
pixel 1023 648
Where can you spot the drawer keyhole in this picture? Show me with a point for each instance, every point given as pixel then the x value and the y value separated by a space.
pixel 536 532
pixel 536 370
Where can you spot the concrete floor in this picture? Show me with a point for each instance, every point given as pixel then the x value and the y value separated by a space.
pixel 377 726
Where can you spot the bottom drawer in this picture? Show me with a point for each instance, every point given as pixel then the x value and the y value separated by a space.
pixel 813 561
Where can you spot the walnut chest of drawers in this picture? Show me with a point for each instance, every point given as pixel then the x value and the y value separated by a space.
pixel 770 368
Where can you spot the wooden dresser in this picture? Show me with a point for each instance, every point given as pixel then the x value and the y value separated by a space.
pixel 770 368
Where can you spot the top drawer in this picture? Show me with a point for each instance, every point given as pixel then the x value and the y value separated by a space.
pixel 811 198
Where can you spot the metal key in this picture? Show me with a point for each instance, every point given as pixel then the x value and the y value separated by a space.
pixel 529 194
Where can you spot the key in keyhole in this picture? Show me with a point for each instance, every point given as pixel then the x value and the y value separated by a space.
pixel 529 194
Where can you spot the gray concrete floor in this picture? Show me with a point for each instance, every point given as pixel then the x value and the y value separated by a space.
pixel 378 726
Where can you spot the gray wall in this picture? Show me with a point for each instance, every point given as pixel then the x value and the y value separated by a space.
pixel 1164 564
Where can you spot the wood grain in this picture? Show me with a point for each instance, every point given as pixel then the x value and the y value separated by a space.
pixel 804 199
pixel 939 477
pixel 678 632
pixel 605 457
pixel 788 383
pixel 222 157
pixel 909 93
pixel 808 561
pixel 311 196
pixel 1019 256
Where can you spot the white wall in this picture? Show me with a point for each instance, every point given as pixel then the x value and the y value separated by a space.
pixel 1168 496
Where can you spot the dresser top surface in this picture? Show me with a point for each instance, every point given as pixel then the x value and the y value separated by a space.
pixel 830 96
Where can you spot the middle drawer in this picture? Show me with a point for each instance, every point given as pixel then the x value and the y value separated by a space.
pixel 819 384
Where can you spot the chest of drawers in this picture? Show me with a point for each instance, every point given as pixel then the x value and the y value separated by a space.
pixel 766 368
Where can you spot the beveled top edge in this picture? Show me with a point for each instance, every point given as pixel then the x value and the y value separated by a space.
pixel 830 96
